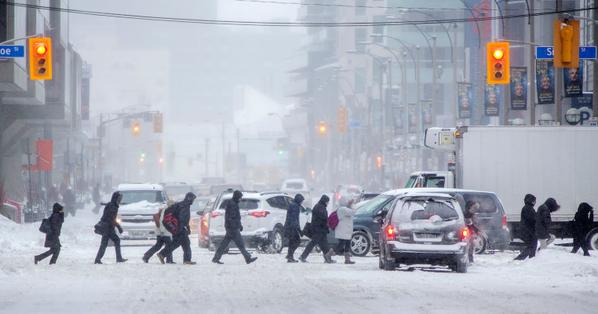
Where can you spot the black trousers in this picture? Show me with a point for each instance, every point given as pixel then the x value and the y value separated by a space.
pixel 160 242
pixel 110 236
pixel 320 240
pixel 529 250
pixel 580 242
pixel 294 241
pixel 343 246
pixel 54 251
pixel 181 239
pixel 235 236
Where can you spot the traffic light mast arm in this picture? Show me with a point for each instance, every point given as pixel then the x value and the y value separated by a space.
pixel 21 38
pixel 128 116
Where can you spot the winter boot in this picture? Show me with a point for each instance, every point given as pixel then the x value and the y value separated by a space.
pixel 189 263
pixel 35 260
pixel 251 260
pixel 303 259
pixel 215 261
pixel 292 260
pixel 328 257
pixel 348 258
pixel 122 260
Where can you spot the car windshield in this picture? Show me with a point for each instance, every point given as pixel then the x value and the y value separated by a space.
pixel 373 205
pixel 244 204
pixel 294 185
pixel 488 203
pixel 130 197
pixel 419 209
pixel 411 182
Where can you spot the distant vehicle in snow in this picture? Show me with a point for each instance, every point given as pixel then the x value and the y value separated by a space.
pixel 219 188
pixel 349 191
pixel 176 191
pixel 262 216
pixel 424 228
pixel 136 212
pixel 297 186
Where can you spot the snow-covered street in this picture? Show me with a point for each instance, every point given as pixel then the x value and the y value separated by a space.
pixel 554 282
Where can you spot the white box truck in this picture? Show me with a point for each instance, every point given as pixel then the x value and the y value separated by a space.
pixel 558 162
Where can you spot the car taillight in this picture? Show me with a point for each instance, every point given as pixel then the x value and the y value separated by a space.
pixel 504 221
pixel 391 232
pixel 464 234
pixel 215 214
pixel 259 213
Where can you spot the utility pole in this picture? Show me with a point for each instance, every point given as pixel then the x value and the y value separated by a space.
pixel 595 78
pixel 531 72
pixel 419 110
pixel 207 147
pixel 100 147
pixel 558 82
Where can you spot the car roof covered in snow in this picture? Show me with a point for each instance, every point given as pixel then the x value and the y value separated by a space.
pixel 254 195
pixel 140 187
pixel 431 190
pixel 422 194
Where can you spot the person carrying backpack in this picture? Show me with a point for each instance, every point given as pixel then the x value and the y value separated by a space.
pixel 581 226
pixel 53 236
pixel 292 228
pixel 163 238
pixel 232 224
pixel 180 216
pixel 319 230
pixel 107 224
pixel 343 231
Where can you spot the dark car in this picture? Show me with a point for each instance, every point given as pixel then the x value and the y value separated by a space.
pixel 365 227
pixel 424 228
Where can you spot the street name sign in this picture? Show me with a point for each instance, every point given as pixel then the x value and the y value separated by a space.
pixel 547 52
pixel 12 51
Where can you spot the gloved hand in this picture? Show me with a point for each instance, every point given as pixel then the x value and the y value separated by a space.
pixel 188 230
pixel 241 229
pixel 120 229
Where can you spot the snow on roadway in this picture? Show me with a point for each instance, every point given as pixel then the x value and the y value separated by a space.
pixel 554 282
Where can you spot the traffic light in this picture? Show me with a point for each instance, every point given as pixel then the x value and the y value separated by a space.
pixel 40 58
pixel 158 122
pixel 566 43
pixel 135 128
pixel 322 128
pixel 342 116
pixel 497 63
pixel 379 162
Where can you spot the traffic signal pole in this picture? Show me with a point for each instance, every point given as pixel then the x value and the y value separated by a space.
pixel 531 72
pixel 558 82
pixel 595 72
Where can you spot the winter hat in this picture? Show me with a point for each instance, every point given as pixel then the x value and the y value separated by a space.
pixel 552 204
pixel 324 199
pixel 584 208
pixel 190 197
pixel 56 208
pixel 299 199
pixel 237 195
pixel 529 199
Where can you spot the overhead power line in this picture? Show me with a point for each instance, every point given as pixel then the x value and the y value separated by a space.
pixel 284 24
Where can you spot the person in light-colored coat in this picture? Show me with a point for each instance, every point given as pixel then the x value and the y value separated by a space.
pixel 344 230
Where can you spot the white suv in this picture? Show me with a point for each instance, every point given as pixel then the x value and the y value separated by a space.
pixel 139 204
pixel 262 216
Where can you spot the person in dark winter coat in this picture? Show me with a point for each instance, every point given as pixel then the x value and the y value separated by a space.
pixel 581 226
pixel 182 211
pixel 53 237
pixel 69 200
pixel 319 230
pixel 232 224
pixel 543 221
pixel 109 219
pixel 292 228
pixel 528 228
pixel 471 208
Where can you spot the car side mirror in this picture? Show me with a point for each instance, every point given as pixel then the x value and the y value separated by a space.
pixel 378 219
pixel 199 212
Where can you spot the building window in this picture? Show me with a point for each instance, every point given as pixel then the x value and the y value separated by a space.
pixel 360 38
pixel 360 8
pixel 3 22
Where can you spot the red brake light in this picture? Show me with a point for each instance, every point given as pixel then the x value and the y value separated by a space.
pixel 338 196
pixel 391 232
pixel 504 220
pixel 464 234
pixel 259 213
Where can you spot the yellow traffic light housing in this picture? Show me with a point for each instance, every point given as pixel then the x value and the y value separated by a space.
pixel 498 63
pixel 566 44
pixel 135 128
pixel 342 118
pixel 322 128
pixel 40 58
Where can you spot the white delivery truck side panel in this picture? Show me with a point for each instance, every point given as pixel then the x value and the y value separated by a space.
pixel 559 162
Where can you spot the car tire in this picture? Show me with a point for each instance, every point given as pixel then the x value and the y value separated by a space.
pixel 276 240
pixel 461 267
pixel 480 242
pixel 360 244
pixel 592 239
